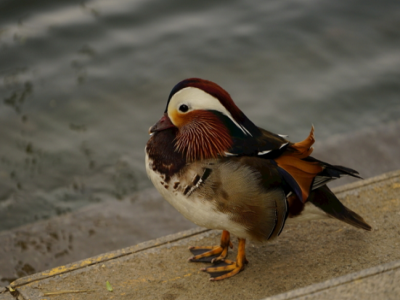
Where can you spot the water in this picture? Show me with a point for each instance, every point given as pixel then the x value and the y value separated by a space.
pixel 82 81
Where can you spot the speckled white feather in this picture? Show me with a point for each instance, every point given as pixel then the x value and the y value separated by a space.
pixel 197 210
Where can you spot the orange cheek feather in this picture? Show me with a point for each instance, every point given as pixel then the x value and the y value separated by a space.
pixel 201 135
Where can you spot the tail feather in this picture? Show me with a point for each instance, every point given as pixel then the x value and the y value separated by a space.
pixel 345 171
pixel 329 172
pixel 334 170
pixel 324 199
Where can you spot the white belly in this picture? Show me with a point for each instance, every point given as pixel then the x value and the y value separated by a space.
pixel 200 211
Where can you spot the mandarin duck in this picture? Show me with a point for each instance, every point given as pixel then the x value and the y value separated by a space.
pixel 221 171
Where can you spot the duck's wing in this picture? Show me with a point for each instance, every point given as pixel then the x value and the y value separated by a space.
pixel 259 142
pixel 247 190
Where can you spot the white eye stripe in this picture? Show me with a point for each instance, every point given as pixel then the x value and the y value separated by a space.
pixel 196 98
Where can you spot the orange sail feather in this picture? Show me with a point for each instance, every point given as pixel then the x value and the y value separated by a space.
pixel 303 172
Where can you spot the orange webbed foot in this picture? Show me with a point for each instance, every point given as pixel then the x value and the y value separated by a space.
pixel 214 253
pixel 223 269
pixel 227 268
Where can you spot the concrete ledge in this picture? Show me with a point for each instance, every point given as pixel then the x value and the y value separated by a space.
pixel 87 232
pixel 380 282
pixel 305 254
pixel 365 182
pixel 107 257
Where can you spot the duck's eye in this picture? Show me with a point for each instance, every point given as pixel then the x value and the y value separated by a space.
pixel 183 108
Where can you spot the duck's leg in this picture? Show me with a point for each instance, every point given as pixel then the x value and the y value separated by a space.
pixel 212 253
pixel 227 268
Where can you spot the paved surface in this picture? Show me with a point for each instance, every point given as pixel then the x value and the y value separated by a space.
pixel 85 233
pixel 381 282
pixel 304 254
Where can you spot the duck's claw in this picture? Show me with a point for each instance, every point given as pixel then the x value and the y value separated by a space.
pixel 223 269
pixel 214 253
pixel 208 254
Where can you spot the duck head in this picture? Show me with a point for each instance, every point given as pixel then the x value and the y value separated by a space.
pixel 206 120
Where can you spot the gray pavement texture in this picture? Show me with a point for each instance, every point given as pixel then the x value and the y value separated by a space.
pixel 115 224
pixel 4 295
pixel 381 282
pixel 85 233
pixel 305 254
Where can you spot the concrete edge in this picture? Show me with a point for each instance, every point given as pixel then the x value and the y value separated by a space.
pixel 364 182
pixel 163 240
pixel 334 282
pixel 107 256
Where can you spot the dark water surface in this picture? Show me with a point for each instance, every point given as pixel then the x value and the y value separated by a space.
pixel 82 81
